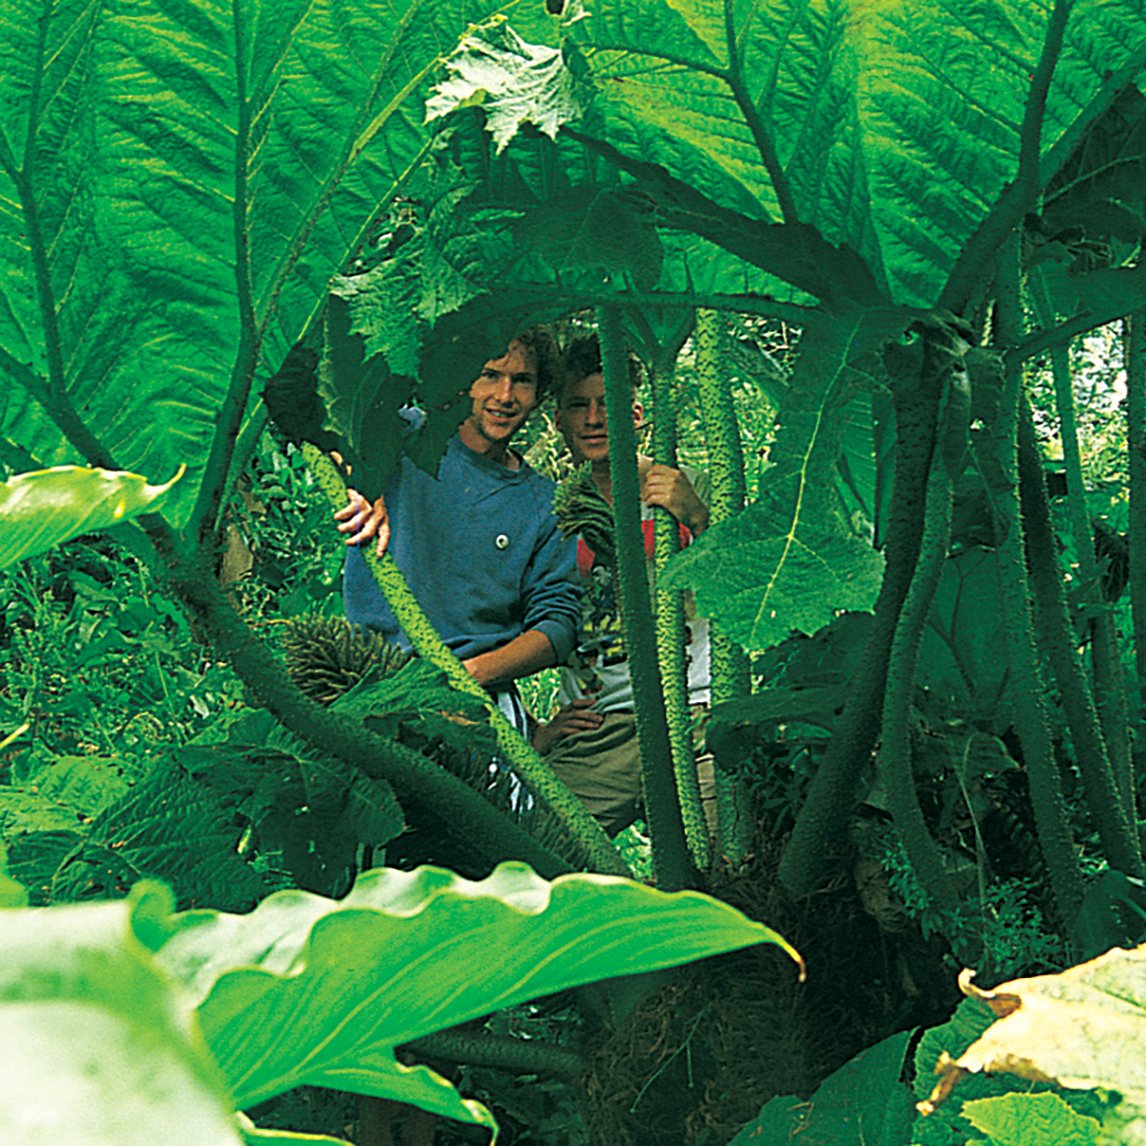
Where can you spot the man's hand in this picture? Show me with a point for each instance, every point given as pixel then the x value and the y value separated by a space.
pixel 576 717
pixel 363 520
pixel 671 490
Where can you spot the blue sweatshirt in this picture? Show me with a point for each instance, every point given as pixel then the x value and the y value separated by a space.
pixel 482 552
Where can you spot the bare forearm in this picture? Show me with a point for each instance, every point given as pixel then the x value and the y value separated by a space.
pixel 524 655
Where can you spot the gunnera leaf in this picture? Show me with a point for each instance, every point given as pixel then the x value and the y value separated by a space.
pixel 514 81
pixel 173 827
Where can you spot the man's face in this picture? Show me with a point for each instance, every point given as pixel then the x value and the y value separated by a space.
pixel 581 419
pixel 503 395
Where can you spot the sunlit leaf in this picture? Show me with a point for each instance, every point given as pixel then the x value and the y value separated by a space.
pixel 516 82
pixel 1019 1119
pixel 309 990
pixel 892 129
pixel 42 509
pixel 99 1046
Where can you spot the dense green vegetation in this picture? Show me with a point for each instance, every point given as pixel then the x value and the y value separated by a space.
pixel 860 248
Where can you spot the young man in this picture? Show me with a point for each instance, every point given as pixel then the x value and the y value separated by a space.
pixel 591 743
pixel 479 544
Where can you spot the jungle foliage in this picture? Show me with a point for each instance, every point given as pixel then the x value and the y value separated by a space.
pixel 929 694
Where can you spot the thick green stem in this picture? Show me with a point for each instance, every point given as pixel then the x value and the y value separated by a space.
pixel 729 666
pixel 819 833
pixel 1105 801
pixel 501 1052
pixel 672 634
pixel 1032 722
pixel 537 776
pixel 671 859
pixel 1109 685
pixel 895 726
pixel 1135 341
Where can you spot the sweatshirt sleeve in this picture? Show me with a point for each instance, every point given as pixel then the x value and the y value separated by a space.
pixel 552 591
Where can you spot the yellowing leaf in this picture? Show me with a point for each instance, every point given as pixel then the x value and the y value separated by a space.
pixel 1083 1028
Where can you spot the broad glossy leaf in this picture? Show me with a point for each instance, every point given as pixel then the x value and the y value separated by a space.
pixel 99 1046
pixel 42 509
pixel 306 989
pixel 184 179
pixel 255 1136
pixel 1082 1029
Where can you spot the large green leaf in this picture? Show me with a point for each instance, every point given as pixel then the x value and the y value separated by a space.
pixel 178 182
pixel 309 990
pixel 42 509
pixel 173 827
pixel 791 562
pixel 959 657
pixel 315 812
pixel 893 129
pixel 99 1046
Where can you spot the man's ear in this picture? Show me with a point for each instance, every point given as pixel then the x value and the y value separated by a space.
pixel 638 415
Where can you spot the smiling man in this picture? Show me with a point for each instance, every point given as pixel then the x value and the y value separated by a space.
pixel 478 544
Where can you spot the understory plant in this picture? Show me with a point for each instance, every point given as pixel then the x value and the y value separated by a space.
pixel 131 1023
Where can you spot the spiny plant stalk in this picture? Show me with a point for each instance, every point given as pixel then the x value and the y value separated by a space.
pixel 940 360
pixel 1134 333
pixel 671 632
pixel 671 859
pixel 1032 722
pixel 537 776
pixel 729 666
pixel 819 832
pixel 1056 635
pixel 1110 687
